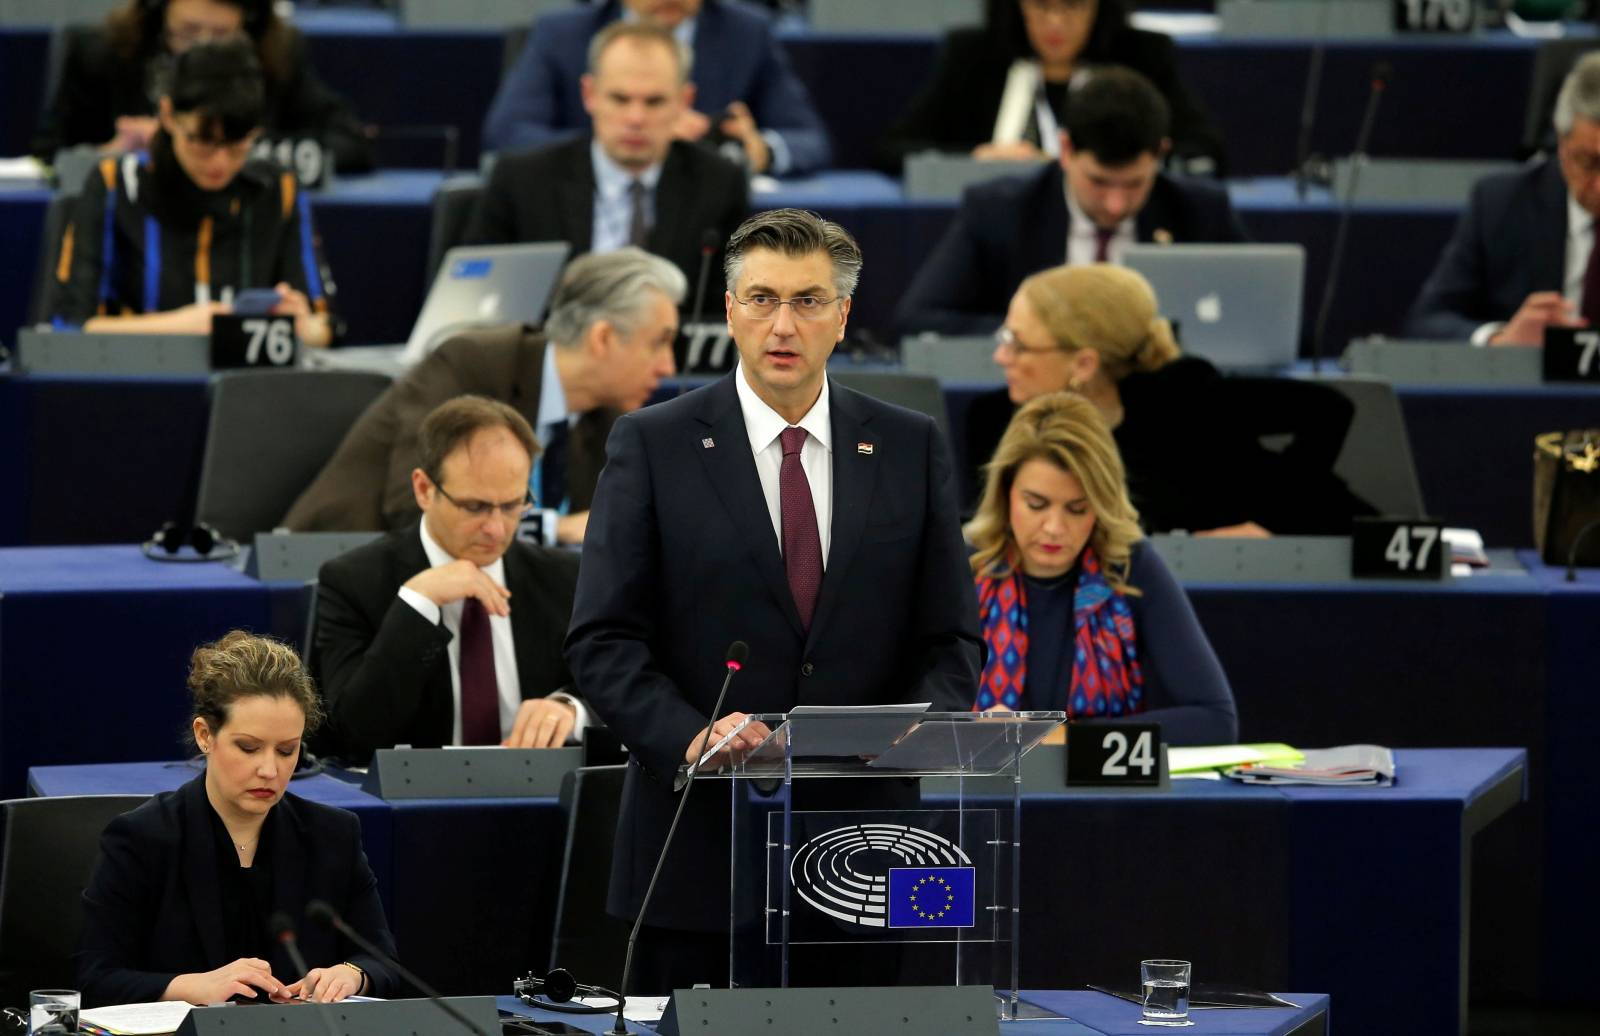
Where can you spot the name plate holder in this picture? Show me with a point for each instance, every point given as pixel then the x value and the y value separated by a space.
pixel 941 176
pixel 299 556
pixel 357 1018
pixel 1445 363
pixel 469 773
pixel 839 1011
pixel 1298 19
pixel 1044 771
pixel 78 352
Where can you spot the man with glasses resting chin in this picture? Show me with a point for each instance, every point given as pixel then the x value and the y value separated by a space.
pixel 449 631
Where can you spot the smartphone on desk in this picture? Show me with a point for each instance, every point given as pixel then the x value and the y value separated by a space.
pixel 255 302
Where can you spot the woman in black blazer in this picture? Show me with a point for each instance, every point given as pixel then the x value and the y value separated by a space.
pixel 1189 437
pixel 957 110
pixel 182 897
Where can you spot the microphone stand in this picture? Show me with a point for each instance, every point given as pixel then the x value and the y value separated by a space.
pixel 1380 79
pixel 323 912
pixel 284 929
pixel 1308 109
pixel 736 655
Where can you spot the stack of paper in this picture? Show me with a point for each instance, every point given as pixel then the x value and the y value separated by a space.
pixel 134 1019
pixel 1347 764
pixel 1206 760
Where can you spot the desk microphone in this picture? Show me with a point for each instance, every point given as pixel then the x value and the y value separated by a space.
pixel 1308 107
pixel 282 929
pixel 710 238
pixel 738 651
pixel 321 912
pixel 1380 81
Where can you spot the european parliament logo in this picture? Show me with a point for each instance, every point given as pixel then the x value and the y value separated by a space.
pixel 931 897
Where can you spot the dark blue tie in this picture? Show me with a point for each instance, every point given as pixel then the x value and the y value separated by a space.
pixel 553 468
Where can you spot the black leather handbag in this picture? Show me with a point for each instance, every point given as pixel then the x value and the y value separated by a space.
pixel 1566 497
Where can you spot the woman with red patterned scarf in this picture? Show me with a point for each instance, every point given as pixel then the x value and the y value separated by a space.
pixel 1078 612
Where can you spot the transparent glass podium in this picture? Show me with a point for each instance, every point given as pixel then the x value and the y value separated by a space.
pixel 838 871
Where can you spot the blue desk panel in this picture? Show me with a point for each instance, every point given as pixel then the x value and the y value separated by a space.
pixel 95 645
pixel 375 237
pixel 1253 88
pixel 1087 1014
pixel 1111 879
pixel 138 442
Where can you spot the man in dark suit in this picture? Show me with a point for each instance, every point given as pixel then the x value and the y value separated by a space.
pixel 814 523
pixel 1522 257
pixel 1106 192
pixel 450 631
pixel 745 91
pixel 629 183
pixel 605 348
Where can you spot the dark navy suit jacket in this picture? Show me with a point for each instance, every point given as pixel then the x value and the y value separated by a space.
pixel 680 559
pixel 1510 243
pixel 153 909
pixel 1010 228
pixel 736 58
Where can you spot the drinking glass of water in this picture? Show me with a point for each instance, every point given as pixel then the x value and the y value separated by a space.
pixel 1165 987
pixel 53 1012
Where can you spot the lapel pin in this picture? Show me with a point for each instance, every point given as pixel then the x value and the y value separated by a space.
pixel 708 442
pixel 1162 236
pixel 864 447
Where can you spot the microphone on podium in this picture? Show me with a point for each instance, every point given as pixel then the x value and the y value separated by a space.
pixel 320 911
pixel 734 660
pixel 710 238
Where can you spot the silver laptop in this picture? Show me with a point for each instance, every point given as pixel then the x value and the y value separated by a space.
pixel 1235 305
pixel 483 285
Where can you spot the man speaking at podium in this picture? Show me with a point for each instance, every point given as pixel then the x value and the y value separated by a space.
pixel 814 523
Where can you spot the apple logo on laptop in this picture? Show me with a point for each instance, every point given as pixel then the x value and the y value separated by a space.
pixel 1209 309
pixel 489 306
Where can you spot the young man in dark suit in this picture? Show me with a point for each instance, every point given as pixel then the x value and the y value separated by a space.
pixel 629 183
pixel 745 89
pixel 1106 192
pixel 814 523
pixel 449 631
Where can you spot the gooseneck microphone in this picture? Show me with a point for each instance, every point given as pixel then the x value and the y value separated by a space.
pixel 1380 80
pixel 710 238
pixel 1308 107
pixel 283 930
pixel 738 651
pixel 321 912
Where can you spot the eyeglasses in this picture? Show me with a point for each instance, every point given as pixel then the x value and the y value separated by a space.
pixel 804 307
pixel 184 35
pixel 512 512
pixel 1006 341
pixel 207 148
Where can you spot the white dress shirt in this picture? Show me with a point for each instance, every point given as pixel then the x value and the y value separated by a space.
pixel 505 647
pixel 613 206
pixel 1083 243
pixel 1580 242
pixel 763 424
pixel 552 411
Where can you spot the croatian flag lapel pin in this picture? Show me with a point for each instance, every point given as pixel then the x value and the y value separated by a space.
pixel 864 448
pixel 708 442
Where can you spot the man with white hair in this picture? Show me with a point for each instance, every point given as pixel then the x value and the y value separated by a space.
pixel 604 350
pixel 1523 256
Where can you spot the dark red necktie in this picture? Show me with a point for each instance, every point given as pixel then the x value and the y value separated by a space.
pixel 1589 306
pixel 480 691
pixel 802 546
pixel 1102 244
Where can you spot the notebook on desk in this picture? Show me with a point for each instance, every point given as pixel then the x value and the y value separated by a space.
pixel 485 285
pixel 1235 305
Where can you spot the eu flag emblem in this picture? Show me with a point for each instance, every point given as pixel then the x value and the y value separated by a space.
pixel 931 897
